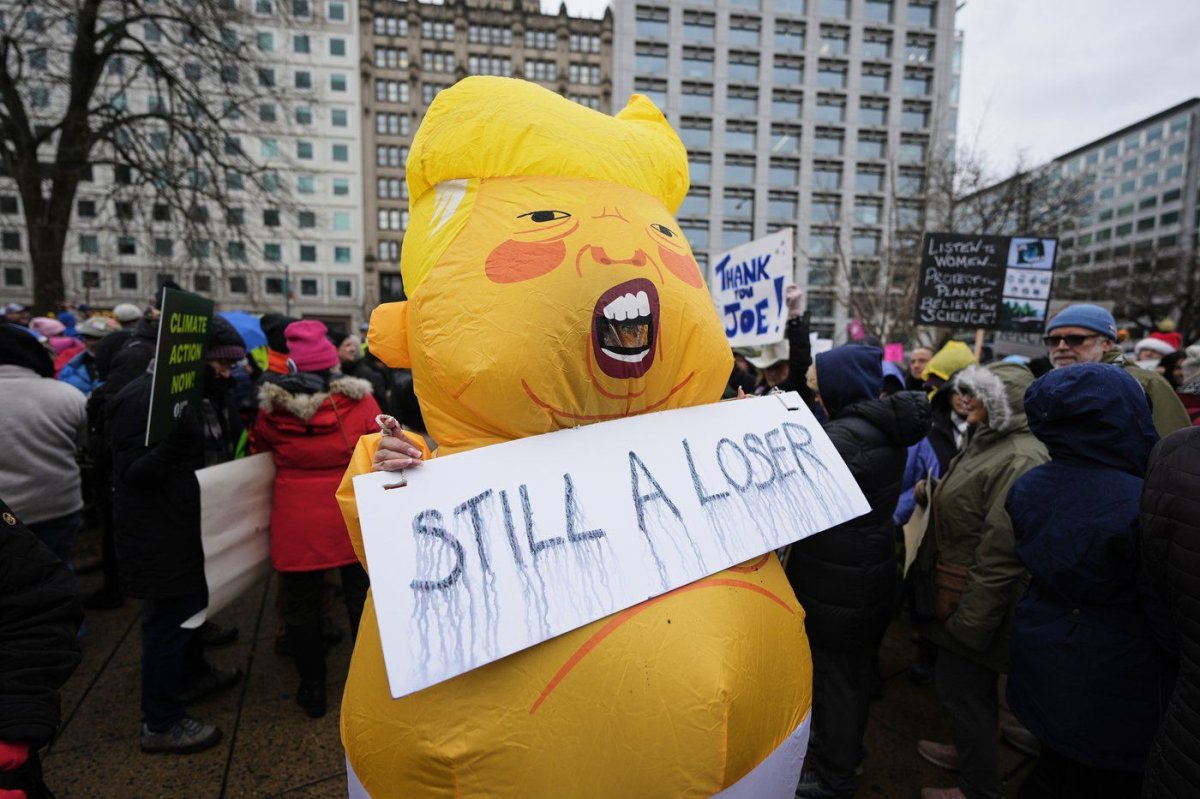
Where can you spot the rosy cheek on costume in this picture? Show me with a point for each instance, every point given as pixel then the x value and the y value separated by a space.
pixel 514 261
pixel 683 267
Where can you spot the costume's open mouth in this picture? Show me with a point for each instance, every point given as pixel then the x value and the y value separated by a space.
pixel 624 325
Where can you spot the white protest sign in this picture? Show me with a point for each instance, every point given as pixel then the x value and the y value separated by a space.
pixel 235 528
pixel 747 285
pixel 491 551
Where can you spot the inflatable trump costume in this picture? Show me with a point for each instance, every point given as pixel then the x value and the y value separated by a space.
pixel 549 286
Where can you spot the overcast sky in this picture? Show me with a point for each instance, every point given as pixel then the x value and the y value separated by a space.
pixel 1042 77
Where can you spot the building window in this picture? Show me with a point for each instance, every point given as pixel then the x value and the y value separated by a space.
pixel 430 91
pixel 826 210
pixel 127 281
pixel 343 288
pixel 391 58
pixel 868 178
pixel 739 170
pixel 336 12
pixel 273 285
pixel 237 284
pixel 834 41
pixel 875 80
pixel 308 254
pixel 782 206
pixel 828 143
pixel 741 135
pixel 490 65
pixel 788 37
pixel 164 248
pixel 272 252
pixel 540 70
pixel 835 8
pixel 341 153
pixel 391 91
pixel 827 177
pixel 877 45
pixel 788 70
pixel 126 245
pixel 830 109
pixel 438 31
pixel 90 278
pixel 489 34
pixel 878 10
pixel 652 23
pixel 783 173
pixel 744 31
pixel 541 39
pixel 649 59
pixel 337 82
pixel 301 44
pixel 743 67
pixel 341 255
pixel 587 43
pixel 437 61
pixel 341 187
pixel 309 287
pixel 921 16
pixel 917 84
pixel 871 146
pixel 88 245
pixel 337 47
pixel 391 26
pixel 587 74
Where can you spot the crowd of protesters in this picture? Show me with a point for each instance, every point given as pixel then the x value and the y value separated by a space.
pixel 1049 503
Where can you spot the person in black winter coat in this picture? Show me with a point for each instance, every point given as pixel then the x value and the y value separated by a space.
pixel 1170 537
pixel 845 577
pixel 39 620
pixel 157 511
pixel 1088 676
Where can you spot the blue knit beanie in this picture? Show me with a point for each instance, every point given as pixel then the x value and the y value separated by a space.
pixel 1092 317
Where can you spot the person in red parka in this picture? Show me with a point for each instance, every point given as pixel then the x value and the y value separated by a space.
pixel 310 421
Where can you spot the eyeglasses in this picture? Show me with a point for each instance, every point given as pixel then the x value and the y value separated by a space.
pixel 1071 341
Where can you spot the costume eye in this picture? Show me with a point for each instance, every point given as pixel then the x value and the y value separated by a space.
pixel 545 216
pixel 663 229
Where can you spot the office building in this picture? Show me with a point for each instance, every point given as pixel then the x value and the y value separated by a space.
pixel 411 51
pixel 302 254
pixel 820 115
pixel 1135 244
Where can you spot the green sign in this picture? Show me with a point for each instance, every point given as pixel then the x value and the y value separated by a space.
pixel 183 330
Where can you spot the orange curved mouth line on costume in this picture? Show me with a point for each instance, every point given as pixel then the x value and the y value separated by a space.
pixel 753 567
pixel 627 614
pixel 601 417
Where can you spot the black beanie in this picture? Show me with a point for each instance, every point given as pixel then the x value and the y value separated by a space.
pixel 20 348
pixel 273 325
pixel 224 342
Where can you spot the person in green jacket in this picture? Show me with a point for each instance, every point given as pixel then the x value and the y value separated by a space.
pixel 1087 334
pixel 969 577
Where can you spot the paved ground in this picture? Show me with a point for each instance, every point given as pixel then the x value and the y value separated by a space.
pixel 271 748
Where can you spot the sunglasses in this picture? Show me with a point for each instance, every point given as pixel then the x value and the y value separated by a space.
pixel 1071 341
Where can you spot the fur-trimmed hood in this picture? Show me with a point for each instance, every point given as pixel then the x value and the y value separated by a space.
pixel 1001 387
pixel 302 395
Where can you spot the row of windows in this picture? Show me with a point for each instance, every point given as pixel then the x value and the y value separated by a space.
pixel 272 252
pixel 824 209
pixel 392 219
pixel 654 21
pixel 389 124
pixel 742 135
pixel 1133 141
pixel 335 10
pixel 743 101
pixel 742 169
pixel 1169 219
pixel 343 287
pixel 1148 181
pixel 301 43
pixel 699 65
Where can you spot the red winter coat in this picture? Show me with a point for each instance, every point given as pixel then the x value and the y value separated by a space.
pixel 311 433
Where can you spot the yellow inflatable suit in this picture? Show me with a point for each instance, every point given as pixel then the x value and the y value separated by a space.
pixel 550 287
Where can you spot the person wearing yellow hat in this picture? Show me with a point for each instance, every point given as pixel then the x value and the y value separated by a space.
pixel 549 286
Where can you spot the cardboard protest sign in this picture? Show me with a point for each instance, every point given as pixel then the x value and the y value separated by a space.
pixel 747 285
pixel 178 359
pixel 487 552
pixel 989 282
pixel 235 528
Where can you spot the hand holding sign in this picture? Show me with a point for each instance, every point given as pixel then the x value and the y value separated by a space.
pixel 793 295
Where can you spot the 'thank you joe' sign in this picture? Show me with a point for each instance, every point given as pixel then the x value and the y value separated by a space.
pixel 488 552
pixel 747 286
pixel 992 282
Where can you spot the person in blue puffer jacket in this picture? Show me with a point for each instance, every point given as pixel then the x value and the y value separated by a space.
pixel 1090 675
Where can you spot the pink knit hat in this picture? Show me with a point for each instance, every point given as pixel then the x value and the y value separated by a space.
pixel 47 326
pixel 308 346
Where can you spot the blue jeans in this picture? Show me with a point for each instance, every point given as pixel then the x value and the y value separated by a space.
pixel 172 657
pixel 59 535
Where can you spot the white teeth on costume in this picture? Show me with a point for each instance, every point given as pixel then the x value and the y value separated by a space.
pixel 641 356
pixel 628 307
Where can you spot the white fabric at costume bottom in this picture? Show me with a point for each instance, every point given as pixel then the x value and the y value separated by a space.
pixel 774 778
